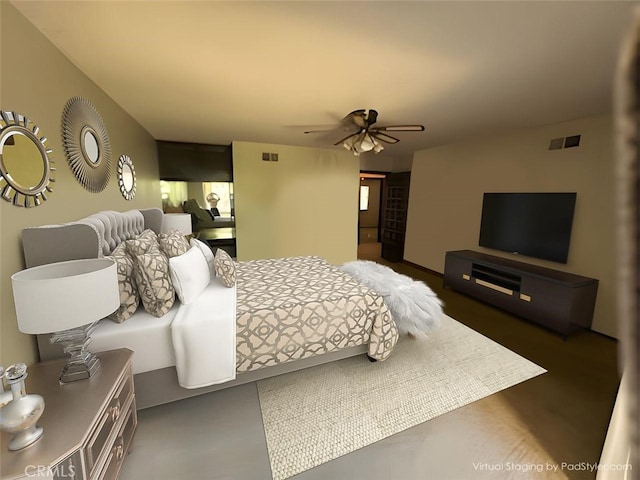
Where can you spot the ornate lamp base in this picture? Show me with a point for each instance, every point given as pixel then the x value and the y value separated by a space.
pixel 80 371
pixel 82 364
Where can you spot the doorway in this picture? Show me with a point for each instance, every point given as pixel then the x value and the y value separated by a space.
pixel 370 208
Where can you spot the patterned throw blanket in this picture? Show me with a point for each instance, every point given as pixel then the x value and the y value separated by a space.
pixel 298 307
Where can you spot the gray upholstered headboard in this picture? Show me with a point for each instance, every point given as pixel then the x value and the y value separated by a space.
pixel 90 237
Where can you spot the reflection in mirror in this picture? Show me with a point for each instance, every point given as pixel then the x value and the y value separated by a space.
pixel 126 177
pixel 86 143
pixel 224 192
pixel 23 161
pixel 91 146
pixel 25 167
pixel 175 194
pixel 210 205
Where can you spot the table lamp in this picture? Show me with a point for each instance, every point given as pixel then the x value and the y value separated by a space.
pixel 67 299
pixel 177 221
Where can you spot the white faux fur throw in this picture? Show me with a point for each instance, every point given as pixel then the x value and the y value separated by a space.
pixel 416 309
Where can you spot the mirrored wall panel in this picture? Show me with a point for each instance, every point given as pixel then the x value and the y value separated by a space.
pixel 216 197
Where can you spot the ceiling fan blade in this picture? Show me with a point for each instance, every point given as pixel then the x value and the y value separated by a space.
pixel 359 117
pixel 320 131
pixel 402 128
pixel 383 137
pixel 340 142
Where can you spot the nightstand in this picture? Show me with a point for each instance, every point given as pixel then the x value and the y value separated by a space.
pixel 88 424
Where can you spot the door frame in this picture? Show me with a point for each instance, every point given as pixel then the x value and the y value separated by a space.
pixel 383 177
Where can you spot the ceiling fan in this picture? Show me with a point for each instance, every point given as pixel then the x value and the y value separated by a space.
pixel 367 137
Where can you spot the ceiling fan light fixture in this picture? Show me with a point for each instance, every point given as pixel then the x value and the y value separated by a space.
pixel 350 142
pixel 351 148
pixel 368 138
pixel 366 143
pixel 362 142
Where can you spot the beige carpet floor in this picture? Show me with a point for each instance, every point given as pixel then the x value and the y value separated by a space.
pixel 318 414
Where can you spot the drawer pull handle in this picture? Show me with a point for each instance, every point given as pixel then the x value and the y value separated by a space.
pixel 114 412
pixel 497 288
pixel 119 452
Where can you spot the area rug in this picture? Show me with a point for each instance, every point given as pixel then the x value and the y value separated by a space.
pixel 318 414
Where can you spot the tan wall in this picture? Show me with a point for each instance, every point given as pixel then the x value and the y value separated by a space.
pixel 37 80
pixel 304 204
pixel 447 184
pixel 371 162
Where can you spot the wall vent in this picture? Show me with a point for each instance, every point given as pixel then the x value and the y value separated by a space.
pixel 573 141
pixel 556 144
pixel 564 142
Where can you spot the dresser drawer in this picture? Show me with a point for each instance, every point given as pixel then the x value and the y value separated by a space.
pixel 121 445
pixel 89 425
pixel 108 423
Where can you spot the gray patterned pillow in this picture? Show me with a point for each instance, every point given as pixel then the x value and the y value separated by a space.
pixel 225 268
pixel 145 241
pixel 129 299
pixel 154 282
pixel 173 243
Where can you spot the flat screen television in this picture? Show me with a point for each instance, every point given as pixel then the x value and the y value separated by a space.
pixel 532 224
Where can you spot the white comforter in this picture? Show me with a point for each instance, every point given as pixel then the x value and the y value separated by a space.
pixel 204 337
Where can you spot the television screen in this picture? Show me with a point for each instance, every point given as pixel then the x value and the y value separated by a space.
pixel 532 224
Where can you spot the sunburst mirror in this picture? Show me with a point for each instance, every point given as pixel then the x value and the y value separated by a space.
pixel 126 177
pixel 86 143
pixel 26 171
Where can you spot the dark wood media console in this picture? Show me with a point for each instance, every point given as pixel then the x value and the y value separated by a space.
pixel 560 301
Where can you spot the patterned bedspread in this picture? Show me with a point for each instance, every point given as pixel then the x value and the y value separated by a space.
pixel 298 307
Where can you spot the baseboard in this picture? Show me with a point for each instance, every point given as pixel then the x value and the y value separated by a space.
pixel 424 269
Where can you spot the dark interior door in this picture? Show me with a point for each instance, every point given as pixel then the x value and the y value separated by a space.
pixel 395 203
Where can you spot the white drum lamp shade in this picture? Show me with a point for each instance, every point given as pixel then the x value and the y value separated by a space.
pixel 59 296
pixel 177 221
pixel 67 299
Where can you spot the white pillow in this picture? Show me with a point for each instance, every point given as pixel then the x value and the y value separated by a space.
pixel 208 254
pixel 189 274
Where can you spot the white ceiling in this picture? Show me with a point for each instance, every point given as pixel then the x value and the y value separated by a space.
pixel 216 72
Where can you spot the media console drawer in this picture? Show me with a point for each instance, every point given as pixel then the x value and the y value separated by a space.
pixel 557 300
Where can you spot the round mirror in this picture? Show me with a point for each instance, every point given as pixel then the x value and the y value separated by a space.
pixel 25 167
pixel 22 160
pixel 86 143
pixel 126 177
pixel 90 146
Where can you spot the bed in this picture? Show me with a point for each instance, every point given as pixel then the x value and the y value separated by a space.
pixel 290 313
